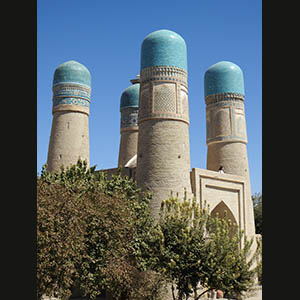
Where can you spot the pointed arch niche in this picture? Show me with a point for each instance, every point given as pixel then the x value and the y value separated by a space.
pixel 220 211
pixel 222 192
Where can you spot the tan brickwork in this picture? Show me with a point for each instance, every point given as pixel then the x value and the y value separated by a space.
pixel 69 139
pixel 128 145
pixel 223 192
pixel 226 144
pixel 163 159
pixel 163 162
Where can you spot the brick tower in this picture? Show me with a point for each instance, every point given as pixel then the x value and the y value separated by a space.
pixel 163 158
pixel 69 138
pixel 226 136
pixel 129 107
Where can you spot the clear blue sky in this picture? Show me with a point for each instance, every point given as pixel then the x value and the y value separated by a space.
pixel 106 37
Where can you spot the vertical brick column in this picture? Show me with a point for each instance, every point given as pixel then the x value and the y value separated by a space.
pixel 163 159
pixel 129 108
pixel 69 138
pixel 226 135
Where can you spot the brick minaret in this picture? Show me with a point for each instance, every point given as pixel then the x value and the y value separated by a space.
pixel 129 107
pixel 69 138
pixel 163 159
pixel 226 135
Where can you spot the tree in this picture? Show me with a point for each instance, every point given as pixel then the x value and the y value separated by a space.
pixel 98 234
pixel 196 250
pixel 59 239
pixel 89 232
pixel 257 206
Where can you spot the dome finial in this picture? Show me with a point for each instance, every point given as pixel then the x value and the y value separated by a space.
pixel 72 72
pixel 224 77
pixel 164 48
pixel 130 96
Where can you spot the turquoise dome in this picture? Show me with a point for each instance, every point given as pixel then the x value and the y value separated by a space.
pixel 224 77
pixel 130 96
pixel 72 71
pixel 164 48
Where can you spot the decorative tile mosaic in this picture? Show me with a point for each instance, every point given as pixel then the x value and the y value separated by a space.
pixel 71 90
pixel 129 117
pixel 74 101
pixel 68 93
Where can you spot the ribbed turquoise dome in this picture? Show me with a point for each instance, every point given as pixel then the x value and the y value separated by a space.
pixel 72 71
pixel 224 77
pixel 130 96
pixel 164 48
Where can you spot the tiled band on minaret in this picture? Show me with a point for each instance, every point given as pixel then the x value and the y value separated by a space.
pixel 163 158
pixel 71 97
pixel 69 138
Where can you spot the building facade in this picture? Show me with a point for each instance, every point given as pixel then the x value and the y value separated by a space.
pixel 154 128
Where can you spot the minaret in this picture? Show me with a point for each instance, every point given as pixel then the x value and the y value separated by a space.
pixel 129 107
pixel 226 136
pixel 69 138
pixel 163 159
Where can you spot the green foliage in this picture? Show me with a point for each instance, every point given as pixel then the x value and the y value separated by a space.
pixel 89 234
pixel 199 250
pixel 228 266
pixel 59 239
pixel 259 262
pixel 183 244
pixel 98 234
pixel 257 206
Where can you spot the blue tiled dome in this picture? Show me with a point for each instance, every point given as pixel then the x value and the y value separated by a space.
pixel 72 71
pixel 224 77
pixel 164 48
pixel 130 96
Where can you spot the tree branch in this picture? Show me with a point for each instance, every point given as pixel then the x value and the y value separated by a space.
pixel 173 292
pixel 204 293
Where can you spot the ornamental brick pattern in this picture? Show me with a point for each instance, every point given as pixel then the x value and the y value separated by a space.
pixel 165 95
pixel 225 118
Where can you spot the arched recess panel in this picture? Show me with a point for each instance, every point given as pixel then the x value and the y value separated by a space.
pixel 220 210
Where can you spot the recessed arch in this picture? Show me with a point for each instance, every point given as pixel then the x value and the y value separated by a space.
pixel 220 211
